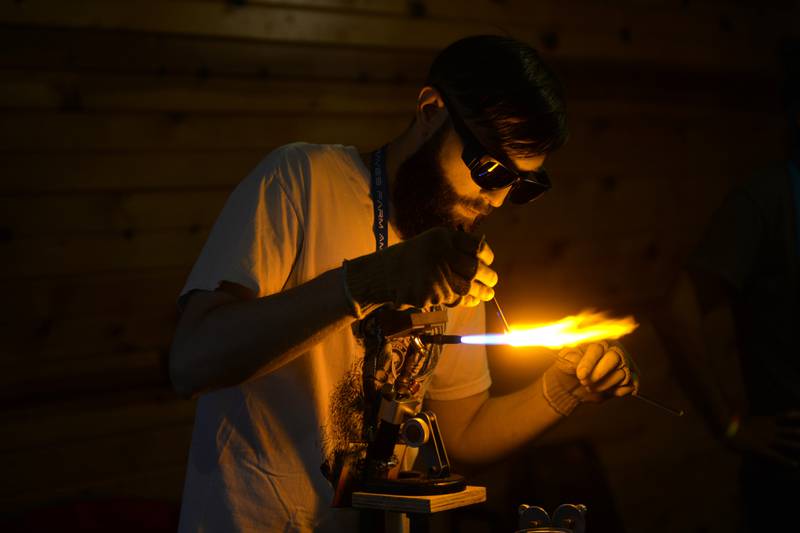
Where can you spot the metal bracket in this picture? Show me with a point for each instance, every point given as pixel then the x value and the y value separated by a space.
pixel 433 450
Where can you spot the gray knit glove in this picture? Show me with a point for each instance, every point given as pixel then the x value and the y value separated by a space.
pixel 591 372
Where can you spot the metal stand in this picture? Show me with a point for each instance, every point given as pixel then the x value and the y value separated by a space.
pixel 389 513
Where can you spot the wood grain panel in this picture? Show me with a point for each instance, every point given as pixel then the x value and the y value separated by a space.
pixel 542 277
pixel 31 258
pixel 66 468
pixel 108 92
pixel 57 338
pixel 107 501
pixel 26 132
pixel 653 92
pixel 598 207
pixel 575 36
pixel 665 13
pixel 224 20
pixel 109 213
pixel 30 380
pixel 134 170
pixel 38 427
pixel 119 294
pixel 98 53
pixel 162 55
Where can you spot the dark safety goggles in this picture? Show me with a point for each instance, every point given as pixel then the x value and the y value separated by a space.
pixel 489 173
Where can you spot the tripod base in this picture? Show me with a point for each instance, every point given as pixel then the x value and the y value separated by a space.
pixel 413 483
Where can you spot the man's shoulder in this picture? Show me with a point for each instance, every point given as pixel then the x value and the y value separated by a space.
pixel 321 167
pixel 310 153
pixel 296 163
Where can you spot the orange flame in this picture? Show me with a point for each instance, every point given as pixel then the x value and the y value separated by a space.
pixel 586 326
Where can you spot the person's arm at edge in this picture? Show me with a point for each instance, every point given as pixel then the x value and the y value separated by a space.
pixel 681 324
pixel 229 336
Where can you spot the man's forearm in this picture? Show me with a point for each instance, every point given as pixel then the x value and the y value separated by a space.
pixel 243 339
pixel 502 424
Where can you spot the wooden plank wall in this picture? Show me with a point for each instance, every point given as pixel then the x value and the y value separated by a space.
pixel 124 125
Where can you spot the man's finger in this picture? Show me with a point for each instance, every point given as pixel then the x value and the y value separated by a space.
pixel 481 291
pixel 615 378
pixel 610 361
pixel 463 264
pixel 485 253
pixel 624 390
pixel 607 364
pixel 469 301
pixel 568 359
pixel 486 275
pixel 591 356
pixel 457 284
pixel 467 243
pixel 443 294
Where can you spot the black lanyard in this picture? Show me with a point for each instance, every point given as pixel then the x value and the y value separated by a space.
pixel 379 189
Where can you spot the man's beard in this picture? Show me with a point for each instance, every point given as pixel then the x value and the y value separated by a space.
pixel 422 198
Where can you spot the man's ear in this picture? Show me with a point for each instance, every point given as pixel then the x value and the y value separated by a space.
pixel 430 112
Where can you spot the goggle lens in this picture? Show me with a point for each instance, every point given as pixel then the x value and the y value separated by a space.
pixel 490 175
pixel 525 191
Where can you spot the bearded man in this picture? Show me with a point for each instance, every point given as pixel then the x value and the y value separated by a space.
pixel 319 237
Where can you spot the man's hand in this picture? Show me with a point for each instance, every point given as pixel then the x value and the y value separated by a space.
pixel 588 373
pixel 776 438
pixel 439 266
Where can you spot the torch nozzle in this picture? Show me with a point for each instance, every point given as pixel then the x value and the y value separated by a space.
pixel 440 339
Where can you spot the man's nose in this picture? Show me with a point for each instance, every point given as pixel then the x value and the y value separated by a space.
pixel 496 197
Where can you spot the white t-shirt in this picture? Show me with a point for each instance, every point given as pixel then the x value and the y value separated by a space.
pixel 257 448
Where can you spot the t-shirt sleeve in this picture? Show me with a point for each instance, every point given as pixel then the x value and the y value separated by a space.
pixel 731 243
pixel 463 369
pixel 258 234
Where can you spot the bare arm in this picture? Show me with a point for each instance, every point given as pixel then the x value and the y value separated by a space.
pixel 229 336
pixel 480 429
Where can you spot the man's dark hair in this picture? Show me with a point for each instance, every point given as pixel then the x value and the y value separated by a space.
pixel 501 85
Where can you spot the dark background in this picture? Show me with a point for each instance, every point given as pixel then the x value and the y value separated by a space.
pixel 125 125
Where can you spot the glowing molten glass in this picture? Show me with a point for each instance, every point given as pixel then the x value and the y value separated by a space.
pixel 586 326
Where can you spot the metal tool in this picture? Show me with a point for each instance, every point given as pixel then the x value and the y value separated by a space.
pixel 501 314
pixel 394 372
pixel 655 403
